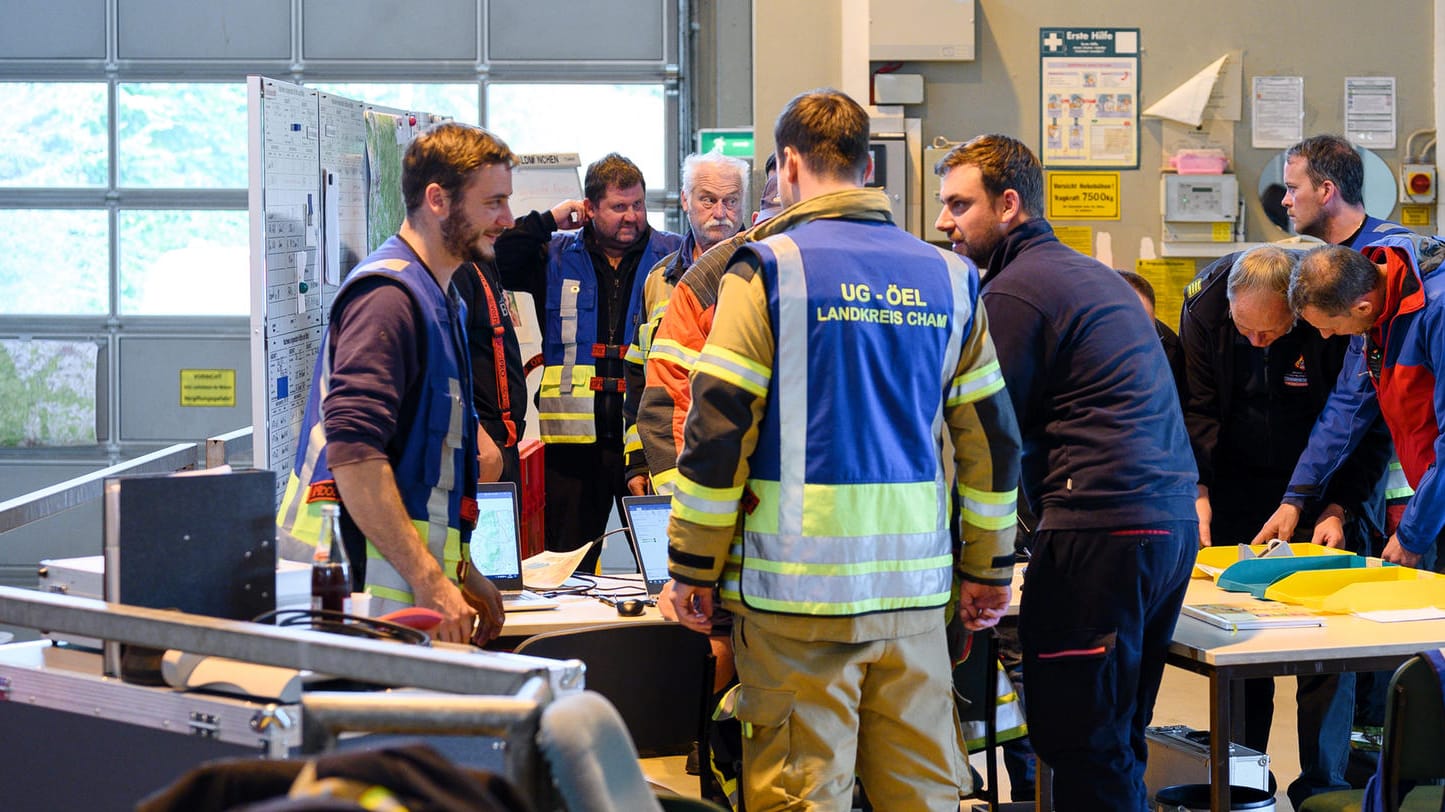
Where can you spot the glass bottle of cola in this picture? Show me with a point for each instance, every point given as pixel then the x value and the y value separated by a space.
pixel 330 569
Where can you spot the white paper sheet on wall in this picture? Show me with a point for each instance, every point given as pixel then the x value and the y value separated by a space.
pixel 1186 103
pixel 541 181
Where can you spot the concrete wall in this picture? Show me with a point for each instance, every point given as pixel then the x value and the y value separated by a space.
pixel 796 46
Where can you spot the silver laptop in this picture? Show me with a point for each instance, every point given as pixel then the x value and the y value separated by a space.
pixel 647 522
pixel 497 550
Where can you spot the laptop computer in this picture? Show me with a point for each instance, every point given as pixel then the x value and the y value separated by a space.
pixel 497 547
pixel 647 522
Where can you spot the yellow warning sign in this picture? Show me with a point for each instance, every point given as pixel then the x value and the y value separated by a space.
pixel 1414 215
pixel 1168 276
pixel 1083 195
pixel 208 387
pixel 1079 238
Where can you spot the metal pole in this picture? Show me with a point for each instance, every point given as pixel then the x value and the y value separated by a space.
pixel 456 669
pixel 86 488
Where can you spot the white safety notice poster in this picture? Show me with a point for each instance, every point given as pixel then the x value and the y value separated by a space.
pixel 1089 93
pixel 1278 112
pixel 1370 111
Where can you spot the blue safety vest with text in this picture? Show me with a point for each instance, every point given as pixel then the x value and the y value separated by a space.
pixel 852 505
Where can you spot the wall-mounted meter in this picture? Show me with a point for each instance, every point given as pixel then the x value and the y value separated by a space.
pixel 1417 183
pixel 1199 208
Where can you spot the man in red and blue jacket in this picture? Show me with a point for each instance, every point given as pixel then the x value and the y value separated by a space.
pixel 1387 298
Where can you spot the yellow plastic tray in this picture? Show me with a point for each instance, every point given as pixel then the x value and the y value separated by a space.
pixel 1219 558
pixel 1424 590
pixel 1311 588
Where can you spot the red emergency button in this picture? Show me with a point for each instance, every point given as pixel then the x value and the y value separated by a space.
pixel 1419 183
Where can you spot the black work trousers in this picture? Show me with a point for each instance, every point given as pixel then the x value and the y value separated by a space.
pixel 584 483
pixel 1097 614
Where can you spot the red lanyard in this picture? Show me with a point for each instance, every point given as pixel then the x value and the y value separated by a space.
pixel 499 358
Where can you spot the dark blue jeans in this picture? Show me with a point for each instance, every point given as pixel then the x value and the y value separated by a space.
pixel 1097 614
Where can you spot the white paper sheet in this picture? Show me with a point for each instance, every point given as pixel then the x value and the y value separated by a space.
pixel 1186 103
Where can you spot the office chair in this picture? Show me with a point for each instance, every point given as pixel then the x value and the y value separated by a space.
pixel 1413 750
pixel 658 675
pixel 594 764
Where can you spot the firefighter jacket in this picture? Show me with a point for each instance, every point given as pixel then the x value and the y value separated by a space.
pixel 842 352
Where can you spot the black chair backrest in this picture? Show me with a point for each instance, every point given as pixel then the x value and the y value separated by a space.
pixel 975 683
pixel 1414 747
pixel 658 675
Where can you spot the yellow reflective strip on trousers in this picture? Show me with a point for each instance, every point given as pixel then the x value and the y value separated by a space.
pixel 851 510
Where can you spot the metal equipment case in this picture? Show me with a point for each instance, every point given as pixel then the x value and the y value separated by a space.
pixel 1180 755
pixel 115 742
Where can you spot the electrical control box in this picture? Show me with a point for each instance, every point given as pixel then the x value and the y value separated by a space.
pixel 1199 208
pixel 931 185
pixel 1417 183
pixel 895 33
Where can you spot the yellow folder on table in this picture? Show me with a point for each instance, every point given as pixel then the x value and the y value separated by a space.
pixel 1312 588
pixel 1425 589
pixel 1211 561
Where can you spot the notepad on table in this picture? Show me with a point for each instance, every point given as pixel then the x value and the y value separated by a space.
pixel 1256 615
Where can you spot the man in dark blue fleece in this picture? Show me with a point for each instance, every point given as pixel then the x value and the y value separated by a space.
pixel 1107 467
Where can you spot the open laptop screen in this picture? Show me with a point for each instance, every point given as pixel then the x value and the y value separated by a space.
pixel 647 519
pixel 494 541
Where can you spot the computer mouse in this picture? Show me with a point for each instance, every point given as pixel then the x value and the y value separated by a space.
pixel 631 607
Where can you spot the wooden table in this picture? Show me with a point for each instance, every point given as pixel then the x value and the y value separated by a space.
pixel 1345 643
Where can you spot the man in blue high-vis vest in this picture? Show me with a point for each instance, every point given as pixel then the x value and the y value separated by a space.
pixel 389 429
pixel 584 262
pixel 813 489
